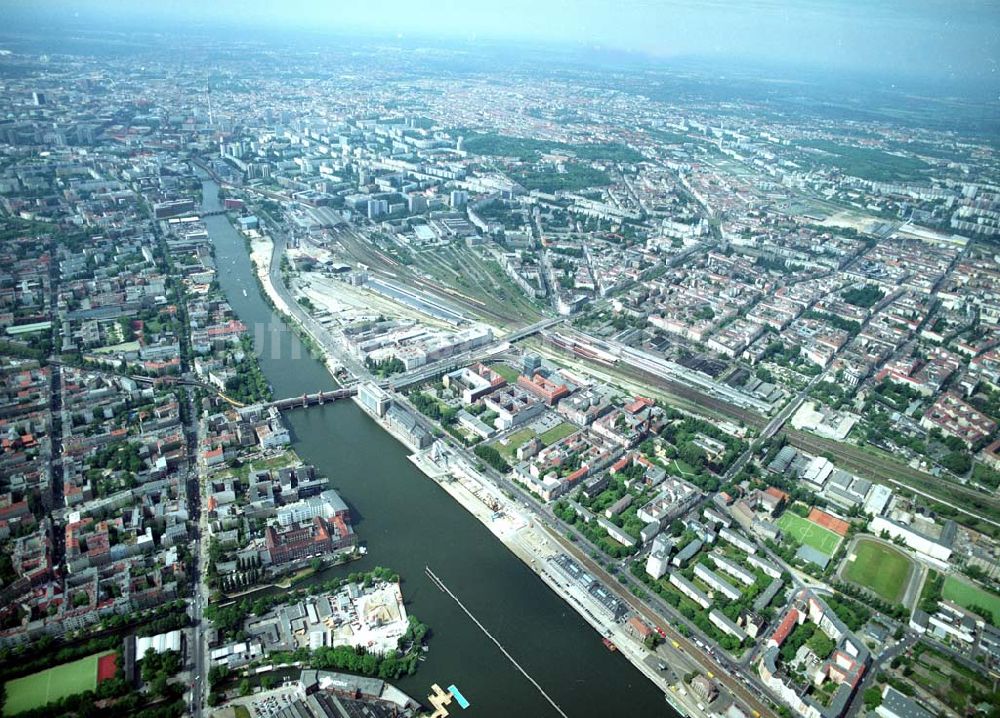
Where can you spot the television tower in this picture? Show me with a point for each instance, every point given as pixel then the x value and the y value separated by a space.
pixel 211 121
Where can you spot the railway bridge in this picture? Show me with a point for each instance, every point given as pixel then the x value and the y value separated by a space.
pixel 318 398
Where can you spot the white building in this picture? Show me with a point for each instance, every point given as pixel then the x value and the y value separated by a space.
pixel 170 641
pixel 327 505
pixel 676 496
pixel 766 566
pixel 738 541
pixel 935 548
pixel 656 564
pixel 734 570
pixel 727 626
pixel 374 398
pixel 878 499
pixel 716 581
pixel 690 590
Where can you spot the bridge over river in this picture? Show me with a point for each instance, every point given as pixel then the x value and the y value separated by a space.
pixel 319 398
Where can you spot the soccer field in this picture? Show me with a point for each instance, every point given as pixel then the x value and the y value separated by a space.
pixel 51 684
pixel 966 595
pixel 880 568
pixel 806 532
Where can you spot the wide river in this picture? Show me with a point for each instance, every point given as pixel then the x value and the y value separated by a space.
pixel 407 522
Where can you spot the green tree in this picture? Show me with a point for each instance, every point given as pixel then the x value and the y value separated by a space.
pixel 217 674
pixel 957 462
pixel 491 456
pixel 159 687
pixel 872 698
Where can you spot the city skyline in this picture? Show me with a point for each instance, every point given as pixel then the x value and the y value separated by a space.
pixel 949 42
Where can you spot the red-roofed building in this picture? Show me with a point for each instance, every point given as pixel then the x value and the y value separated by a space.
pixel 773 498
pixel 638 405
pixel 310 539
pixel 545 389
pixel 621 464
pixel 777 493
pixel 16 510
pixel 161 368
pixel 991 454
pixel 640 627
pixel 577 475
pixel 74 494
pixel 213 457
pixel 792 619
pixel 843 667
pixel 956 418
pixel 226 332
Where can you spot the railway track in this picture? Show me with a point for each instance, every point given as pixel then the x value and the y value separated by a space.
pixel 355 247
pixel 674 388
pixel 900 475
pixel 982 506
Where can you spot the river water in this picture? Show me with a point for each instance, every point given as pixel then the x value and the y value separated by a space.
pixel 408 522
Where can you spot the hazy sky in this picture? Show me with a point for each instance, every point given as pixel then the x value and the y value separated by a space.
pixel 906 37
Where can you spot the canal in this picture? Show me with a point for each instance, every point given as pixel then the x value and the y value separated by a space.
pixel 407 522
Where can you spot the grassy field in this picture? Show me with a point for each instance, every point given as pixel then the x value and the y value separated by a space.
pixel 681 467
pixel 965 595
pixel 514 442
pixel 806 532
pixel 558 432
pixel 119 348
pixel 506 371
pixel 880 568
pixel 300 575
pixel 278 461
pixel 51 684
